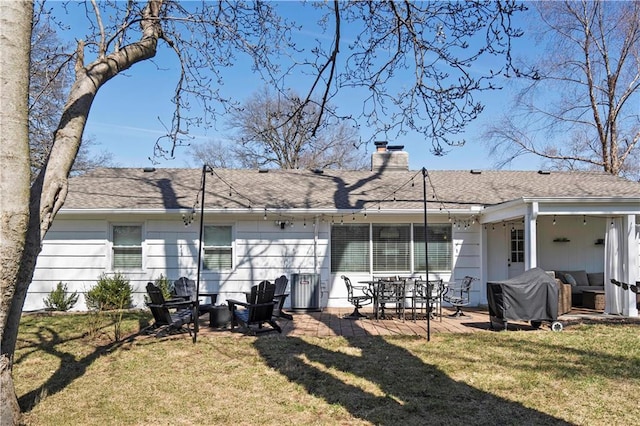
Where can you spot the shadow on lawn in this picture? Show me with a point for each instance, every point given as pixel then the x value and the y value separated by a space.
pixel 393 386
pixel 71 368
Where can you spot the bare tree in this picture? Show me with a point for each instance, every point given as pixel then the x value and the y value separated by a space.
pixel 15 34
pixel 49 83
pixel 278 131
pixel 437 41
pixel 580 108
pixel 215 154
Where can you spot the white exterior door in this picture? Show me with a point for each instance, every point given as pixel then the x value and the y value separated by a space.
pixel 515 251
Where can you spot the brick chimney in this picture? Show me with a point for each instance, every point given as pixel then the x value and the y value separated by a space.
pixel 389 157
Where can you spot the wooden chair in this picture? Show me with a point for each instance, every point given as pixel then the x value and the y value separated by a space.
pixel 170 316
pixel 280 297
pixel 185 289
pixel 256 311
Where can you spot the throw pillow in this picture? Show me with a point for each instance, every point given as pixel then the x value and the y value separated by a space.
pixel 570 280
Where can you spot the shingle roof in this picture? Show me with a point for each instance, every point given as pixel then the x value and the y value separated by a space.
pixel 121 188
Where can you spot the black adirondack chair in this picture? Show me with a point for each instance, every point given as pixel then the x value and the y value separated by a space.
pixel 170 316
pixel 258 309
pixel 184 288
pixel 279 297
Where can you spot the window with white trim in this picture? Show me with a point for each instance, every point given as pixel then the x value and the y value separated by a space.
pixel 127 247
pixel 350 248
pixel 218 248
pixel 389 248
pixel 439 247
pixel 391 245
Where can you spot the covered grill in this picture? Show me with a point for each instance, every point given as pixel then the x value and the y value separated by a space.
pixel 531 296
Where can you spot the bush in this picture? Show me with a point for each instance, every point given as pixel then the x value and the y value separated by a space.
pixel 165 285
pixel 59 299
pixel 110 293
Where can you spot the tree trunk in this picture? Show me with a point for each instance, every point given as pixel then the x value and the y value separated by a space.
pixel 27 214
pixel 15 39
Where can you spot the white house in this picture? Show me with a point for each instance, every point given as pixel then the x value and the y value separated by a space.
pixel 315 226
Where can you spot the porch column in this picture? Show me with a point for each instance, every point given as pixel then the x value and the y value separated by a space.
pixel 630 266
pixel 531 237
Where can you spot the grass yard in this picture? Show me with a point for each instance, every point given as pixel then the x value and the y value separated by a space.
pixel 69 370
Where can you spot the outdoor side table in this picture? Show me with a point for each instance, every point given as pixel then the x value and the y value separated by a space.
pixel 593 299
pixel 219 316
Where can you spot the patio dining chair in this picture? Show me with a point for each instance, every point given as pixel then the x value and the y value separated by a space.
pixel 428 295
pixel 392 292
pixel 458 294
pixel 358 296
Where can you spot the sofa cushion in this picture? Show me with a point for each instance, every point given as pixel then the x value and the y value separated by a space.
pixel 596 279
pixel 569 279
pixel 579 276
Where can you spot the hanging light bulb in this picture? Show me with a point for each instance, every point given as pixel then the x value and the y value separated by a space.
pixel 265 214
pixel 554 219
pixel 584 220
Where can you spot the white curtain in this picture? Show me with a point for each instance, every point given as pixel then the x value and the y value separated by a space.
pixel 613 267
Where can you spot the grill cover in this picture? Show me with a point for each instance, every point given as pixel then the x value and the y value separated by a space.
pixel 532 296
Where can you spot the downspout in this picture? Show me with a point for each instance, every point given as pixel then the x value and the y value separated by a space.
pixel 531 236
pixel 315 245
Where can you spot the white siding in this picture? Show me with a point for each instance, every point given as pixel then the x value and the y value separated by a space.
pixel 77 252
pixel 580 253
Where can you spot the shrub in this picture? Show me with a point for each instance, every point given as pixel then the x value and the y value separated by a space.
pixel 110 293
pixel 165 285
pixel 60 299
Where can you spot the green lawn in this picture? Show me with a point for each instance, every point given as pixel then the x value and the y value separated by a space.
pixel 69 370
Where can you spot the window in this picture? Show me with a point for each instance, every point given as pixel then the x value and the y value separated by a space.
pixel 127 247
pixel 350 248
pixel 439 247
pixel 391 244
pixel 218 249
pixel 388 248
pixel 517 245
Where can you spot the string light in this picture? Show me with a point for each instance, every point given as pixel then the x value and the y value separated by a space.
pixel 393 194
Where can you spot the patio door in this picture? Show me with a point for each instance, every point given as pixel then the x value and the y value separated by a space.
pixel 516 246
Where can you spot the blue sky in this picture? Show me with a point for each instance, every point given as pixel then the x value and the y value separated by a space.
pixel 129 111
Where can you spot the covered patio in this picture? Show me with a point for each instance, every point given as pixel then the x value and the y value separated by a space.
pixel 596 235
